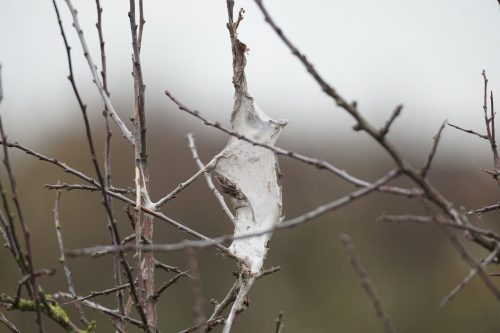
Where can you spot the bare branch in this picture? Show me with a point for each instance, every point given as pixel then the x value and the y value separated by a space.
pixel 208 325
pixel 436 138
pixel 167 284
pixel 366 283
pixel 485 209
pixel 469 131
pixel 208 178
pixel 442 221
pixel 107 311
pixel 454 292
pixel 62 257
pixel 279 323
pixel 33 287
pixel 467 257
pixel 4 320
pixel 207 168
pixel 397 111
pixel 93 69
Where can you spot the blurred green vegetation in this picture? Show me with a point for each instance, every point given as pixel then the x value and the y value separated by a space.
pixel 411 266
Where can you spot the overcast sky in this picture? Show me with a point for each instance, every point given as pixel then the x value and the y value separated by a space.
pixel 426 54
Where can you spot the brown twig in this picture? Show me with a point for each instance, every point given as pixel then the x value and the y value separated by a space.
pixel 33 289
pixel 6 322
pixel 93 294
pixel 105 310
pixel 208 178
pixel 454 292
pixel 62 257
pixel 397 111
pixel 103 93
pixel 442 221
pixel 279 323
pixel 366 283
pixel 432 153
pixel 208 325
pixel 90 188
pixel 167 284
pixel 107 157
pixel 469 131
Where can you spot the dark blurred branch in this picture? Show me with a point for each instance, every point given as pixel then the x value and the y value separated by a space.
pixel 366 283
pixel 28 256
pixel 279 323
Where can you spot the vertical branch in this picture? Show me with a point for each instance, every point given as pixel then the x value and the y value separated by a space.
pixel 199 300
pixel 144 223
pixel 490 127
pixel 62 257
pixel 109 211
pixel 107 159
pixel 366 283
pixel 33 288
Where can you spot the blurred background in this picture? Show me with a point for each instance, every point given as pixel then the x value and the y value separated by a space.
pixel 427 55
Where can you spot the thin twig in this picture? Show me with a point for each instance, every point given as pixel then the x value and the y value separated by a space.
pixel 167 284
pixel 62 257
pixel 99 293
pixel 469 259
pixel 209 325
pixel 432 153
pixel 90 188
pixel 454 292
pixel 6 322
pixel 105 310
pixel 25 229
pixel 182 186
pixel 208 178
pixel 397 111
pixel 107 159
pixel 366 283
pixel 469 131
pixel 279 323
pixel 485 209
pixel 443 221
pixel 102 91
